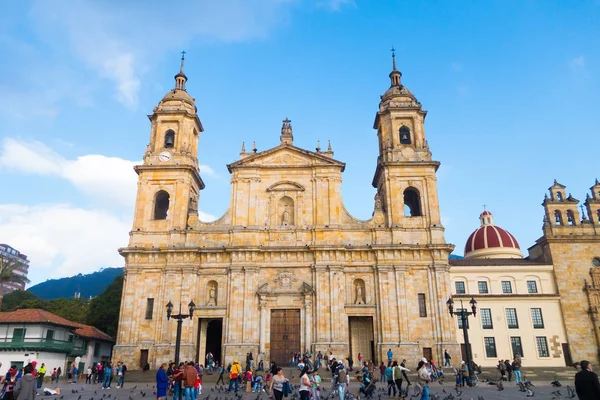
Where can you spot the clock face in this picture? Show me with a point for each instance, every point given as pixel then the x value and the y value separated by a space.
pixel 164 156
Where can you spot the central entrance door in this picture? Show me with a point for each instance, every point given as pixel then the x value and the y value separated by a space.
pixel 285 335
pixel 361 338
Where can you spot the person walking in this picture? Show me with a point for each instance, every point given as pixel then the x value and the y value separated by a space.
pixel 26 387
pixel 41 373
pixel 220 370
pixel 404 369
pixel 162 382
pixel 305 385
pixel 382 369
pixel 397 372
pixel 234 376
pixel 277 381
pixel 587 386
pixel 516 367
pixel 316 385
pixel 342 380
pixel 390 355
pixel 58 374
pixel 189 380
pixel 108 369
pixel 424 380
pixel 447 359
pixel 119 374
pixel 8 382
pixel 389 375
pixel 509 370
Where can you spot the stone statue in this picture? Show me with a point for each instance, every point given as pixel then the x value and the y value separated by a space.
pixel 193 204
pixel 285 217
pixel 212 296
pixel 359 295
pixel 377 201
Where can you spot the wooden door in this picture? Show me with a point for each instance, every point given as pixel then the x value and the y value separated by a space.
pixel 285 335
pixel 428 354
pixel 361 338
pixel 463 351
pixel 143 358
pixel 567 354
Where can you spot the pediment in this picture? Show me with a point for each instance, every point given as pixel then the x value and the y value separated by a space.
pixel 286 186
pixel 286 156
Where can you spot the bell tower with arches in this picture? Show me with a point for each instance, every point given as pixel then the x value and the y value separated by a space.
pixel 169 181
pixel 405 177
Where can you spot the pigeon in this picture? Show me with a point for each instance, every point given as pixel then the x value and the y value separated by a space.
pixel 555 383
pixel 480 398
pixel 556 393
pixel 500 386
pixel 530 393
pixel 79 398
pixel 570 392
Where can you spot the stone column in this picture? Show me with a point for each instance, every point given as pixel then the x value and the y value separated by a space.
pixel 263 324
pixel 307 322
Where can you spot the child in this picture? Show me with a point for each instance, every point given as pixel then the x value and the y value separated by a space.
pixel 268 378
pixel 198 386
pixel 248 378
pixel 257 384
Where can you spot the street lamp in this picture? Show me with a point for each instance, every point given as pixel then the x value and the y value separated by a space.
pixel 179 317
pixel 463 314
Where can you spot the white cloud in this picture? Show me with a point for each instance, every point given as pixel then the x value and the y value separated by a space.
pixel 61 240
pixel 335 5
pixel 108 178
pixel 577 63
pixel 117 40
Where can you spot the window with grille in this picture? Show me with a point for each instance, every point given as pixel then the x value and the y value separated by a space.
pixel 532 287
pixel 422 305
pixel 542 345
pixel 517 347
pixel 483 287
pixel 486 318
pixel 490 347
pixel 460 287
pixel 511 318
pixel 536 317
pixel 506 287
pixel 149 308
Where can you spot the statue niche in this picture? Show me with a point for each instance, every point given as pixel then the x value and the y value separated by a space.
pixel 211 294
pixel 359 291
pixel 285 211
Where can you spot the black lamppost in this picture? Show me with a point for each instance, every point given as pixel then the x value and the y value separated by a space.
pixel 463 314
pixel 179 317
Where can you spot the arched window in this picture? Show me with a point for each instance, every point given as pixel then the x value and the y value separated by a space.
pixel 169 138
pixel 570 218
pixel 404 135
pixel 559 196
pixel 161 205
pixel 412 203
pixel 558 218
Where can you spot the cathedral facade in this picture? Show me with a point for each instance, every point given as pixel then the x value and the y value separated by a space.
pixel 286 268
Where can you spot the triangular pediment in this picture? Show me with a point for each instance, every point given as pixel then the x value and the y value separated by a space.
pixel 286 156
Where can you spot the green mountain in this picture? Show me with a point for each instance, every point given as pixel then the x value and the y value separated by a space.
pixel 88 285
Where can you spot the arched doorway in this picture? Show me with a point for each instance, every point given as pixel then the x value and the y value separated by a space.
pixel 214 334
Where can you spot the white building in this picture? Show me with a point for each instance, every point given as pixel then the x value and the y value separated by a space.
pixel 37 335
pixel 518 303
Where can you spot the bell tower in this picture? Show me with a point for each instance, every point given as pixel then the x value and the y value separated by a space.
pixel 169 181
pixel 405 176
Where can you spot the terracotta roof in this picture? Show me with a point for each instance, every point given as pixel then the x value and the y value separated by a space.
pixel 35 316
pixel 493 261
pixel 91 332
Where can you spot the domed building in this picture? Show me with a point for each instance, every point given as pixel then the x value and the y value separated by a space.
pixel 491 241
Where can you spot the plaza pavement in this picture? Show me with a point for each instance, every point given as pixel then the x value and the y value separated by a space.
pixel 140 386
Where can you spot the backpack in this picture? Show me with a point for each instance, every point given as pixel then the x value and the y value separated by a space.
pixel 342 376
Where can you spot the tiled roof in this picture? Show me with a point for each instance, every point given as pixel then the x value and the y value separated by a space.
pixel 91 332
pixel 33 316
pixel 476 262
pixel 38 316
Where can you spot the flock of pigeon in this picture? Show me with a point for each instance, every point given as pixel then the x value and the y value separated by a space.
pixel 454 393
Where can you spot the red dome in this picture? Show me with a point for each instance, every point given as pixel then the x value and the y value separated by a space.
pixel 491 240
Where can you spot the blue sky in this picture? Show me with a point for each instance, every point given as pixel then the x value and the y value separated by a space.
pixel 511 88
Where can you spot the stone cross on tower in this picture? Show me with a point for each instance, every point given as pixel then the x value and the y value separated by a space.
pixel 286 132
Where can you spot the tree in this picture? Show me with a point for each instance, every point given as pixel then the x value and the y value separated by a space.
pixel 104 309
pixel 9 274
pixel 13 300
